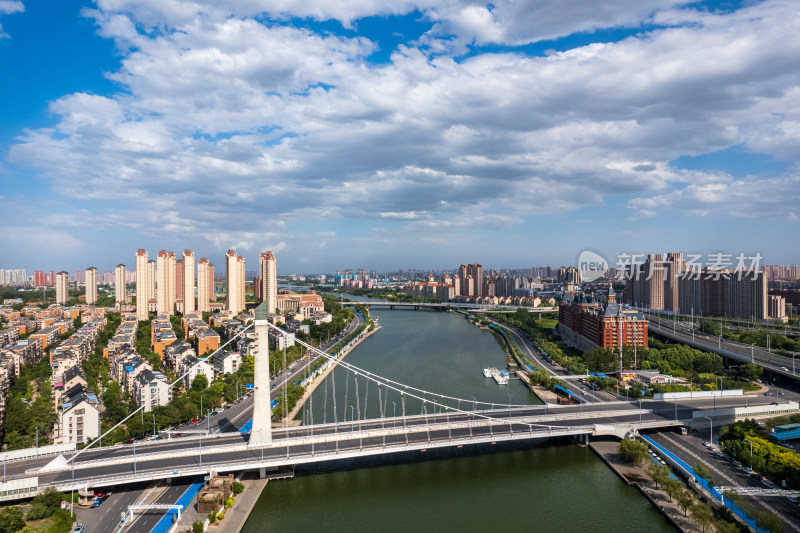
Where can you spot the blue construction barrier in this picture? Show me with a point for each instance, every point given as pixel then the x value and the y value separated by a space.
pixel 750 521
pixel 564 390
pixel 356 312
pixel 166 522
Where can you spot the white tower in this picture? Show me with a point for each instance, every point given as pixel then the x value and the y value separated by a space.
pixel 261 432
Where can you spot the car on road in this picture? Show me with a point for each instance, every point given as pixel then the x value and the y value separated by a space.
pixel 78 528
pixel 770 393
pixel 194 421
pixel 737 464
pixel 747 470
pixel 784 369
pixel 97 502
pixel 99 494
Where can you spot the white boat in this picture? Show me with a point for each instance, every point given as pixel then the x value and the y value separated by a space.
pixel 500 376
pixel 487 372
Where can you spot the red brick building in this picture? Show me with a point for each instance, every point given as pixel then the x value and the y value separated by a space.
pixel 585 323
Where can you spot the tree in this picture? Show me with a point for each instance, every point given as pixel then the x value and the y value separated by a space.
pixel 769 521
pixel 200 382
pixel 632 451
pixel 672 487
pixel 750 371
pixel 702 515
pixel 658 473
pixel 703 472
pixel 685 500
pixel 11 519
pixel 112 399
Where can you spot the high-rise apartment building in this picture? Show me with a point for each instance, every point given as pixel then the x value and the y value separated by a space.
pixel 165 284
pixel 62 287
pixel 654 268
pixel 91 285
pixel 151 283
pixel 749 295
pixel 234 273
pixel 242 277
pixel 268 270
pixel 142 285
pixel 715 292
pixel 188 282
pixel 51 280
pixel 179 285
pixel 462 274
pixel 120 277
pixel 476 271
pixel 675 266
pixel 205 272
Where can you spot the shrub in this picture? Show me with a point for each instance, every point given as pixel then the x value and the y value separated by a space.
pixel 212 516
pixel 220 516
pixel 228 503
pixel 197 527
pixel 237 487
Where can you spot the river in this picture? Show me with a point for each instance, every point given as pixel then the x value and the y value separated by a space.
pixel 544 486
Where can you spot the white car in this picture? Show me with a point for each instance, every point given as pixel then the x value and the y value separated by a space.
pixel 784 369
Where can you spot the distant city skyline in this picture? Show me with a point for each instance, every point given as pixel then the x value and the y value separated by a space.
pixel 391 135
pixel 773 269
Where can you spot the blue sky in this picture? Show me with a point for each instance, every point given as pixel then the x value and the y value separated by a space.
pixel 380 135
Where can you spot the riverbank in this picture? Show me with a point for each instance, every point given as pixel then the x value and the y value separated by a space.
pixel 235 517
pixel 349 347
pixel 637 476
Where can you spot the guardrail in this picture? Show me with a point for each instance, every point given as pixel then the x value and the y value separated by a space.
pixel 348 431
pixel 34 453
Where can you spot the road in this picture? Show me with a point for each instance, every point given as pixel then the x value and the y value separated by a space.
pixel 683 333
pixel 690 449
pixel 107 516
pixel 533 353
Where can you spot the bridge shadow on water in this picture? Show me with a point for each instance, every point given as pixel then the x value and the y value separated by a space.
pixel 433 454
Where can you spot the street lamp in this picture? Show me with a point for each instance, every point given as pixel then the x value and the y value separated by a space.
pixel 37 442
pixel 768 347
pixel 711 430
pixel 752 353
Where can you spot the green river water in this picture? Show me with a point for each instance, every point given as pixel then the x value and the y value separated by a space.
pixel 540 486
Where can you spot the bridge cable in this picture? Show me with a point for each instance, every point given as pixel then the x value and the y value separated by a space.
pixel 377 378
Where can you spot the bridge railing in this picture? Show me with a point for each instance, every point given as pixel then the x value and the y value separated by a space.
pixel 354 431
